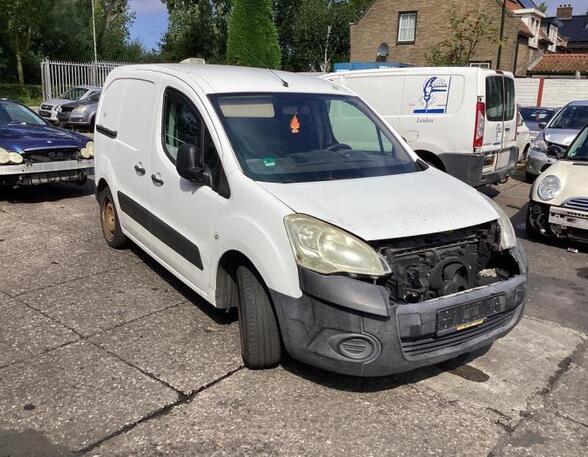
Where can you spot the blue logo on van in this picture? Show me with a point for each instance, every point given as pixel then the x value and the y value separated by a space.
pixel 435 96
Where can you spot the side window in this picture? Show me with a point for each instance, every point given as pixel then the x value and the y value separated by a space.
pixel 494 98
pixel 182 123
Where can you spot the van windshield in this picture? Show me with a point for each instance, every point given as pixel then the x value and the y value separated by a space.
pixel 309 137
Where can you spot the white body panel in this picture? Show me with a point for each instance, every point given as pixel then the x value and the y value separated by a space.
pixel 434 109
pixel 251 220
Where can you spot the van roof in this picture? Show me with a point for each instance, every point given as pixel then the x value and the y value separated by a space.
pixel 231 79
pixel 413 70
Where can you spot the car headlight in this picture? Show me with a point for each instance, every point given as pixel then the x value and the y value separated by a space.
pixel 539 145
pixel 4 157
pixel 549 187
pixel 508 238
pixel 80 110
pixel 326 249
pixel 87 152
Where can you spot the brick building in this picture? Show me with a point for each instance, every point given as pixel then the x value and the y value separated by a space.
pixel 411 28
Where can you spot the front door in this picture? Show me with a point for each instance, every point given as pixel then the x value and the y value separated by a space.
pixel 184 212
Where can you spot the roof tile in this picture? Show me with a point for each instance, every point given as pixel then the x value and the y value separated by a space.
pixel 561 64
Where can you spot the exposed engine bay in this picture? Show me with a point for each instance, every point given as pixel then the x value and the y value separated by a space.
pixel 439 264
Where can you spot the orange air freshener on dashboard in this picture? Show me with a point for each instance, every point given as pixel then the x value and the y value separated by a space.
pixel 295 124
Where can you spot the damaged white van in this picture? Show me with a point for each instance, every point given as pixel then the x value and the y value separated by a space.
pixel 287 197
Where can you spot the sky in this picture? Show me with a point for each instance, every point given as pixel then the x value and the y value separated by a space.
pixel 580 6
pixel 150 21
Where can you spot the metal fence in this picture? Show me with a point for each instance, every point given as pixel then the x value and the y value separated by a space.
pixel 58 76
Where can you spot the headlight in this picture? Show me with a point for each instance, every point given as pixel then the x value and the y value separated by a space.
pixel 4 157
pixel 549 187
pixel 539 145
pixel 80 110
pixel 325 249
pixel 15 157
pixel 508 238
pixel 88 151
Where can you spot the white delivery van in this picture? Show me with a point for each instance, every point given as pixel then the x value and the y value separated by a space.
pixel 287 197
pixel 460 120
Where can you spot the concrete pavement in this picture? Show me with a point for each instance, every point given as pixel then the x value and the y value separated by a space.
pixel 104 353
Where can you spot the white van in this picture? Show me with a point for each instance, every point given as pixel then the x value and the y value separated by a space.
pixel 460 120
pixel 287 197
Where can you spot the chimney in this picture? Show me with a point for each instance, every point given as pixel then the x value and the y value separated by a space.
pixel 564 11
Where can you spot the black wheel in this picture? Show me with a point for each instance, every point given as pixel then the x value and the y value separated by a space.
pixel 109 221
pixel 529 177
pixel 530 226
pixel 260 337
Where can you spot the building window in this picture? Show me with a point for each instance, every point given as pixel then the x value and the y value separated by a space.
pixel 486 64
pixel 407 27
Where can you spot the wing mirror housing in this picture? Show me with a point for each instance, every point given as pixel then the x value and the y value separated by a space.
pixel 542 125
pixel 555 151
pixel 189 165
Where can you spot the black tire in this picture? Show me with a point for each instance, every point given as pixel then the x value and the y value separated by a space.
pixel 532 232
pixel 113 234
pixel 260 338
pixel 529 178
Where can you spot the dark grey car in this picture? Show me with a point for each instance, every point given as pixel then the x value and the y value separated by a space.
pixel 80 113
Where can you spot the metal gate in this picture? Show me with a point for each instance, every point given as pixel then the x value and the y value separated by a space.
pixel 58 76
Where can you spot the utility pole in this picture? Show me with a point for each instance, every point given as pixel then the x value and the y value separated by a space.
pixel 501 34
pixel 94 36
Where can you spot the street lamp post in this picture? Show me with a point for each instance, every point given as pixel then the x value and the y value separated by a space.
pixel 94 37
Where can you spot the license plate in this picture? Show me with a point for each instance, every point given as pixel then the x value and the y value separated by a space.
pixel 467 316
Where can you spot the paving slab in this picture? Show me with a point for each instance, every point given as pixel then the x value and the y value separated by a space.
pixel 277 412
pixel 105 300
pixel 184 346
pixel 53 263
pixel 511 373
pixel 25 332
pixel 76 395
pixel 545 434
pixel 569 397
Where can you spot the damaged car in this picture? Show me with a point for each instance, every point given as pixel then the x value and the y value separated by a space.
pixel 34 152
pixel 289 198
pixel 558 206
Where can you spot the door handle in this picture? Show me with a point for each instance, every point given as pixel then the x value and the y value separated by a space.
pixel 507 129
pixel 156 178
pixel 140 169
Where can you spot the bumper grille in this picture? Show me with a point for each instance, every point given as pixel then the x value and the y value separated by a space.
pixel 580 203
pixel 47 107
pixel 51 155
pixel 66 109
pixel 416 348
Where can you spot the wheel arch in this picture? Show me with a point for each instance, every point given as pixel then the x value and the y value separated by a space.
pixel 431 158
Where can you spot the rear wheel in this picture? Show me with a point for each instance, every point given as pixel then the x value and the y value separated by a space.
pixel 111 230
pixel 260 337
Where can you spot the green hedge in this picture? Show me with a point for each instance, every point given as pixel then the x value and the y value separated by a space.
pixel 28 94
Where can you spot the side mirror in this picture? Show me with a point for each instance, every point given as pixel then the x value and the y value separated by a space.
pixel 189 165
pixel 542 125
pixel 557 152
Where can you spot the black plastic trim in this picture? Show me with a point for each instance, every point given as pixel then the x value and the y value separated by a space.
pixel 161 230
pixel 106 131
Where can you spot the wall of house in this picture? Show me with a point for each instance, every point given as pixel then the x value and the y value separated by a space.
pixel 556 92
pixel 380 24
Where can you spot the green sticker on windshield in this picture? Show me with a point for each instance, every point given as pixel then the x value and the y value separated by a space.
pixel 269 162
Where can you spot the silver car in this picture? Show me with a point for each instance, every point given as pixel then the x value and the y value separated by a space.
pixel 50 108
pixel 558 133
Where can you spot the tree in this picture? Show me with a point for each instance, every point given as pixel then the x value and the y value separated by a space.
pixel 20 20
pixel 542 7
pixel 252 36
pixel 467 28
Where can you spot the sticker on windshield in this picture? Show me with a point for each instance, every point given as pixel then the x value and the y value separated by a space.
pixel 269 162
pixel 295 124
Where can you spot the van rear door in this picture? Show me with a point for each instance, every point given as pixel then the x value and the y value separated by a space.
pixel 500 126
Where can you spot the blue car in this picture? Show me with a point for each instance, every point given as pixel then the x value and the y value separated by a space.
pixel 34 152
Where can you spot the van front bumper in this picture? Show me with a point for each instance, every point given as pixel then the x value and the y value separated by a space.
pixel 352 327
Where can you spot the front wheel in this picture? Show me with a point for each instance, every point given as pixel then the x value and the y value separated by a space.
pixel 260 338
